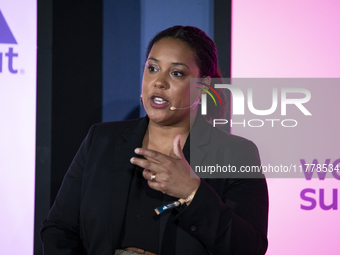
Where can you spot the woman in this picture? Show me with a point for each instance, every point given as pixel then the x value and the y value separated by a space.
pixel 124 170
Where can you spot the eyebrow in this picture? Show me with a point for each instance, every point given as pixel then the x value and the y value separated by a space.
pixel 174 63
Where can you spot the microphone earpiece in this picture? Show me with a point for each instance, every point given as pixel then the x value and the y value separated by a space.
pixel 193 106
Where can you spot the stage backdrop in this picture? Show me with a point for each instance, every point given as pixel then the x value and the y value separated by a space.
pixel 294 39
pixel 17 124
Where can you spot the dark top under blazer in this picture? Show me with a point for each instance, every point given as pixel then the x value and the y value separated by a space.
pixel 227 216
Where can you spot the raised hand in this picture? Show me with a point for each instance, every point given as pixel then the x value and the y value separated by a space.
pixel 170 175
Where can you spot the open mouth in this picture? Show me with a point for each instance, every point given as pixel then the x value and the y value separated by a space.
pixel 159 100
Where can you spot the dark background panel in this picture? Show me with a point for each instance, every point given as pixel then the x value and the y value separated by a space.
pixel 76 79
pixel 69 91
pixel 222 38
pixel 222 34
pixel 43 119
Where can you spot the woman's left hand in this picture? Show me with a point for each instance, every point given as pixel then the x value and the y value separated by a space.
pixel 173 175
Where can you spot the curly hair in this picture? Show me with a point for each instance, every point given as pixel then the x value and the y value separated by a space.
pixel 206 60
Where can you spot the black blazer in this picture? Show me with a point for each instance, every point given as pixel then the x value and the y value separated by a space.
pixel 226 216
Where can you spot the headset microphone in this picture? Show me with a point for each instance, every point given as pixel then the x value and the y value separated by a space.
pixel 193 106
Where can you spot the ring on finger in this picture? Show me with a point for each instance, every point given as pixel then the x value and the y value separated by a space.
pixel 153 176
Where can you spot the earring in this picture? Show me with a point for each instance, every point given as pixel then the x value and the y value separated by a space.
pixel 141 99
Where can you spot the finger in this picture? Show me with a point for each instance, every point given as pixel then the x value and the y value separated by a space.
pixel 152 183
pixel 155 185
pixel 147 164
pixel 160 157
pixel 147 174
pixel 177 146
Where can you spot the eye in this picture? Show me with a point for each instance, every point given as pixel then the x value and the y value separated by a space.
pixel 152 69
pixel 178 73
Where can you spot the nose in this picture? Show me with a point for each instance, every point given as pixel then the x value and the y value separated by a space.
pixel 161 82
pixel 159 85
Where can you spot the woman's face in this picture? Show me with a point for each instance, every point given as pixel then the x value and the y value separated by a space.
pixel 166 81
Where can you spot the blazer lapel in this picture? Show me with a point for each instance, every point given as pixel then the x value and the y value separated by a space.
pixel 195 150
pixel 122 176
pixel 199 141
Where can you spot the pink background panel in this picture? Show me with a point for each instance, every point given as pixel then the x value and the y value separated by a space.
pixel 294 39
